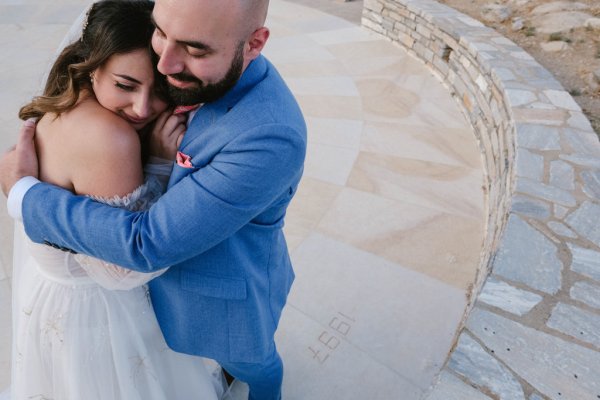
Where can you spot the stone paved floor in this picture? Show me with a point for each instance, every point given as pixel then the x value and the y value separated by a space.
pixel 533 331
pixel 386 229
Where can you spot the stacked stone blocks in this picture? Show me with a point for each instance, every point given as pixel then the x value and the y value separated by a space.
pixel 532 328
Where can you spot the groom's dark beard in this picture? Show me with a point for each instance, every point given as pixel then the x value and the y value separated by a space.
pixel 207 92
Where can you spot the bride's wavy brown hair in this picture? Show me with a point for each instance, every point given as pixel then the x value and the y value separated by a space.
pixel 113 27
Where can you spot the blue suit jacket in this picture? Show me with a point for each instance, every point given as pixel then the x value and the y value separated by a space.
pixel 219 226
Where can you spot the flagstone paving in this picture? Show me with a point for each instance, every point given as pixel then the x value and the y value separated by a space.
pixel 532 332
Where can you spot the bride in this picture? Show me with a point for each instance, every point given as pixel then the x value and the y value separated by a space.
pixel 83 329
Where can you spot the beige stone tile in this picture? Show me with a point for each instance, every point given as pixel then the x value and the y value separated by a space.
pixel 312 201
pixel 364 49
pixel 384 100
pixel 316 68
pixel 377 59
pixel 395 316
pixel 48 39
pixel 58 13
pixel 295 234
pixel 10 129
pixel 351 35
pixel 433 106
pixel 8 119
pixel 25 68
pixel 27 12
pixel 347 372
pixel 421 81
pixel 279 29
pixel 451 189
pixel 376 67
pixel 441 114
pixel 303 19
pixel 319 23
pixel 335 132
pixel 345 107
pixel 24 84
pixel 417 141
pixel 365 219
pixel 331 164
pixel 278 44
pixel 287 11
pixel 44 38
pixel 323 86
pixel 289 54
pixel 443 246
pixel 17 13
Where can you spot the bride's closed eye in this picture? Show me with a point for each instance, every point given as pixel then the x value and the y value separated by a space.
pixel 124 87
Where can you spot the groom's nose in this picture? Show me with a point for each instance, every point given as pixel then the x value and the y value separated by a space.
pixel 170 62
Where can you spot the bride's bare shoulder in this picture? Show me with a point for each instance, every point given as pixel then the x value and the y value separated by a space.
pixel 98 151
pixel 93 124
pixel 88 132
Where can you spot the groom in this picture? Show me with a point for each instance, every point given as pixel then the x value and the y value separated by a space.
pixel 219 226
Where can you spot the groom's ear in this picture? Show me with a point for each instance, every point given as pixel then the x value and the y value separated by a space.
pixel 256 42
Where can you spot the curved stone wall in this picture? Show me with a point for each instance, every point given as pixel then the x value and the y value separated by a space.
pixel 537 294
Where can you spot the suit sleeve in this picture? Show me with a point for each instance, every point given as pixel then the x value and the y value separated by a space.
pixel 198 212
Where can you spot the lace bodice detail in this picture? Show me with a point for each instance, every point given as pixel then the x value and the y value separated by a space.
pixel 80 269
pixel 141 198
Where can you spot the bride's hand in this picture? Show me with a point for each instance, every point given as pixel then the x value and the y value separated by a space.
pixel 167 134
pixel 21 160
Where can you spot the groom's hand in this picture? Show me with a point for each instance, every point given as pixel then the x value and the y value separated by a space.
pixel 21 160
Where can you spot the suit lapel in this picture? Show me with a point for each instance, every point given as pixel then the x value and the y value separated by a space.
pixel 204 117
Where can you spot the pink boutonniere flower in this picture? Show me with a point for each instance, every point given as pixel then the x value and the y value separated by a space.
pixel 183 160
pixel 185 109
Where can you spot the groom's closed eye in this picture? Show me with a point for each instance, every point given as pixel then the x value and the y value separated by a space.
pixel 194 48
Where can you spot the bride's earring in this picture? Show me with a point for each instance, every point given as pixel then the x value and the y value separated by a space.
pixel 92 77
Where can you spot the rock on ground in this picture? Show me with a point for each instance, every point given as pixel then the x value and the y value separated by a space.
pixel 562 21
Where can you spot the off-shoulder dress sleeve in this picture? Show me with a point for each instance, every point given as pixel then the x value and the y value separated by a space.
pixel 111 276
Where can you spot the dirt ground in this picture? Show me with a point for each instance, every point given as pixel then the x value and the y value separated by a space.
pixel 572 67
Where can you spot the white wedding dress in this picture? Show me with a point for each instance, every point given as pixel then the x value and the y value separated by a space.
pixel 85 330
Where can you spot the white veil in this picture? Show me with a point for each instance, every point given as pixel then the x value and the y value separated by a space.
pixel 72 35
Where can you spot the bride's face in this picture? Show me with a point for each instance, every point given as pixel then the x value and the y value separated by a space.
pixel 125 86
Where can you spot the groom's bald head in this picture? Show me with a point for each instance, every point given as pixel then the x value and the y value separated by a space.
pixel 251 15
pixel 255 10
pixel 207 44
pixel 245 15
